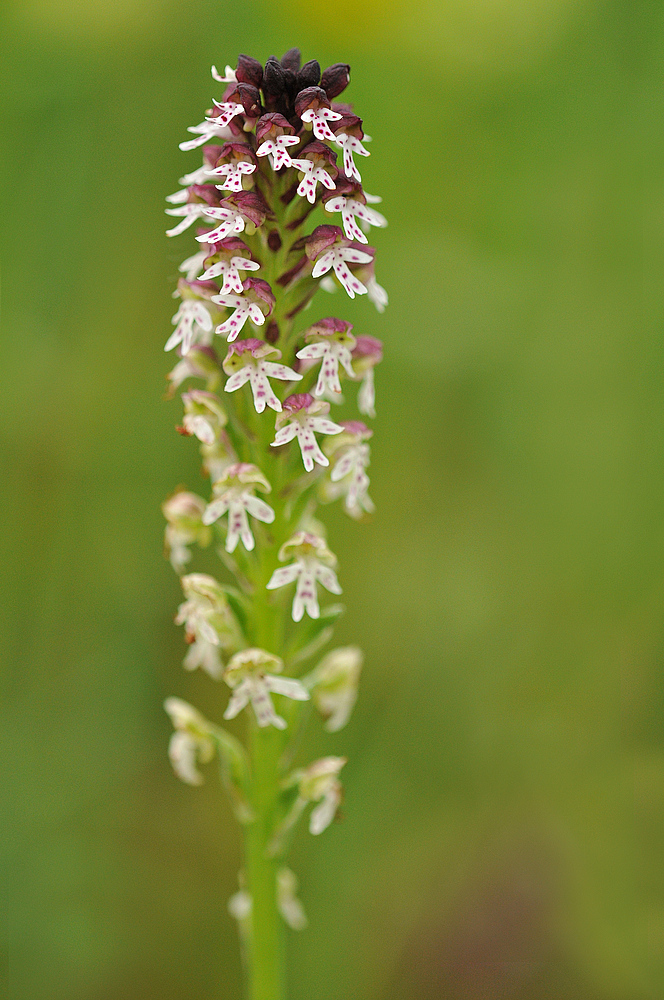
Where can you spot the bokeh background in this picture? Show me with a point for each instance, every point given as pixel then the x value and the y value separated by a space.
pixel 502 837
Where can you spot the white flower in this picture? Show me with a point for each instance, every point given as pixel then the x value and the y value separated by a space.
pixel 191 742
pixel 245 674
pixel 208 622
pixel 351 145
pixel 234 493
pixel 377 294
pixel 314 562
pixel 244 310
pixel 231 222
pixel 183 512
pixel 192 266
pixel 319 119
pixel 233 173
pixel 302 410
pixel 351 466
pixel 289 905
pixel 333 685
pixel 320 783
pixel 227 111
pixel 191 211
pixel 206 131
pixel 277 150
pixel 245 362
pixel 204 415
pixel 337 258
pixel 232 282
pixel 229 77
pixel 312 175
pixel 351 207
pixel 204 654
pixel 193 325
pixel 333 343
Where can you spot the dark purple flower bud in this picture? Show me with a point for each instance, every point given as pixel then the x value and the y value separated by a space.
pixel 312 97
pixel 291 60
pixel 272 125
pixel 335 79
pixel 249 71
pixel 309 75
pixel 250 99
pixel 322 238
pixel 273 78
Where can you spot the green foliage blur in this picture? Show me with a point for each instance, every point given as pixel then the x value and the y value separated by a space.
pixel 502 836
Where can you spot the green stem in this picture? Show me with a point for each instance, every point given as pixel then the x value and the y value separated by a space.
pixel 266 939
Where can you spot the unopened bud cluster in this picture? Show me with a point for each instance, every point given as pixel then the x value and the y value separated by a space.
pixel 276 146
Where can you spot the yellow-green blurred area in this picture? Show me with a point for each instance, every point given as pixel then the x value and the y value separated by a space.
pixel 502 836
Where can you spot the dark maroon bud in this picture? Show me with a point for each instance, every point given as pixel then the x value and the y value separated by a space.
pixel 250 99
pixel 309 75
pixel 335 79
pixel 290 83
pixel 312 97
pixel 274 241
pixel 272 332
pixel 291 60
pixel 273 77
pixel 249 71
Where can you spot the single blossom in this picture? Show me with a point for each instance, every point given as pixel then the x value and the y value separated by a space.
pixel 313 562
pixel 302 410
pixel 277 150
pixel 367 353
pixel 245 362
pixel 348 477
pixel 183 512
pixel 192 266
pixel 229 75
pixel 319 118
pixel 332 344
pixel 350 145
pixel 244 310
pixel 229 271
pixel 246 676
pixel 192 741
pixel 204 416
pixel 207 130
pixel 312 175
pixel 338 258
pixel 234 493
pixel 333 685
pixel 193 325
pixel 351 207
pixel 233 172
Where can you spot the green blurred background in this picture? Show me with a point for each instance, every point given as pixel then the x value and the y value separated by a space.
pixel 502 837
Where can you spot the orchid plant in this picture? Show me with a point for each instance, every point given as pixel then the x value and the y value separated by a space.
pixel 276 147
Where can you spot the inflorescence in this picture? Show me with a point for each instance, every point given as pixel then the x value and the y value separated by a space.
pixel 276 147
